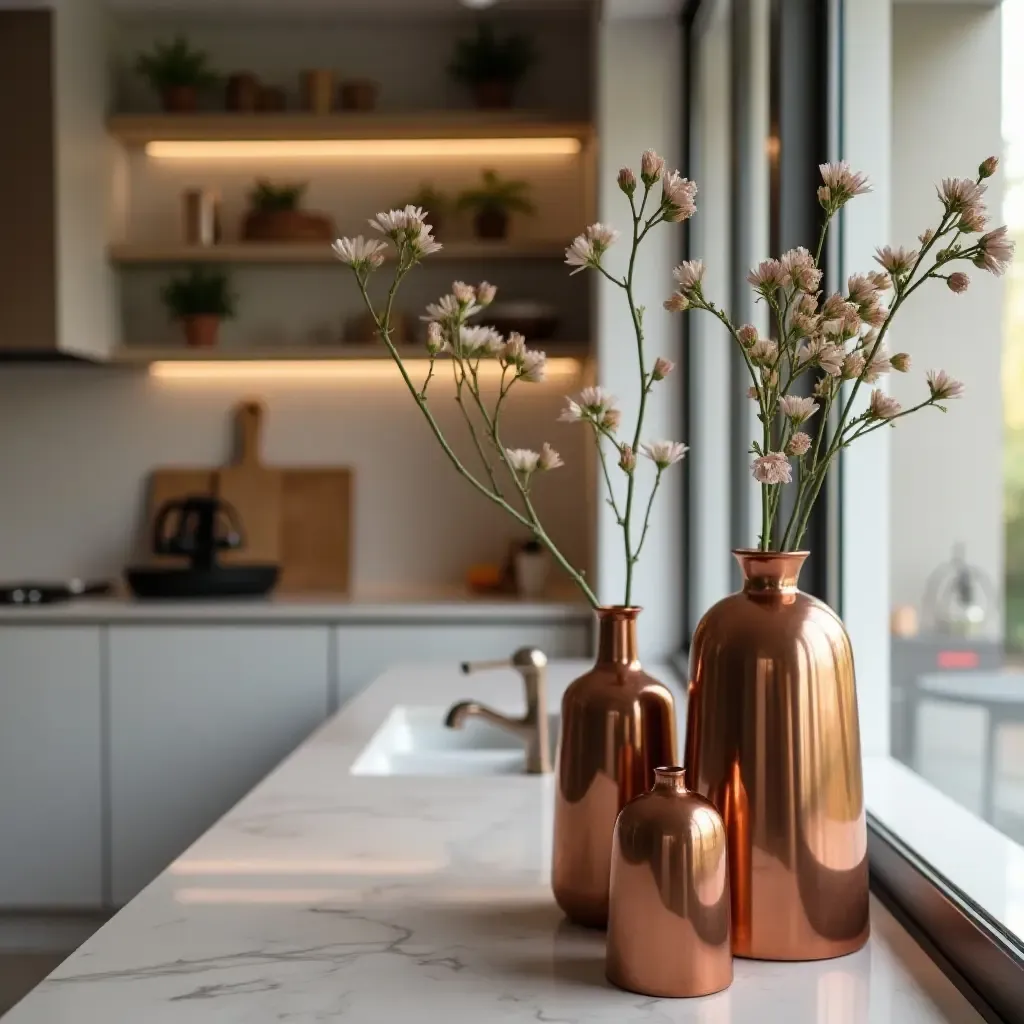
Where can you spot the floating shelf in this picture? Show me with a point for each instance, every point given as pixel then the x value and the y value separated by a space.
pixel 320 252
pixel 132 355
pixel 139 129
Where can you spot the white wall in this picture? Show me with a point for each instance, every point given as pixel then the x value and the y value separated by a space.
pixel 79 443
pixel 639 107
pixel 946 471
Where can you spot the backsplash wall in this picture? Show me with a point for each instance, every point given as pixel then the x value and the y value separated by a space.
pixel 80 441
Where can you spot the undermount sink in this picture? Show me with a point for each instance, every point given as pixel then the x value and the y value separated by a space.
pixel 415 741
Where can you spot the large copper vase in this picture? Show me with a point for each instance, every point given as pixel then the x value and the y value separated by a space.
pixel 618 725
pixel 772 739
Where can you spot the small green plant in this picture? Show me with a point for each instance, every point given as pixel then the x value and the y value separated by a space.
pixel 200 292
pixel 175 65
pixel 266 197
pixel 488 57
pixel 496 195
pixel 435 202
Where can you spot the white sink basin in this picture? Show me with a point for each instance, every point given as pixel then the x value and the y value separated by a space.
pixel 415 741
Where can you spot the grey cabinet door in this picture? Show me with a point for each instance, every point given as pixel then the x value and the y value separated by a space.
pixel 198 715
pixel 51 804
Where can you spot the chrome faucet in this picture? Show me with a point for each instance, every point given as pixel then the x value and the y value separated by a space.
pixel 531 664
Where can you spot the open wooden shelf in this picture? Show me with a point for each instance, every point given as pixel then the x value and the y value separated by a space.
pixel 138 129
pixel 138 355
pixel 318 252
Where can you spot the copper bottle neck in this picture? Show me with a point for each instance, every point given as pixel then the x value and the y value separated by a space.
pixel 616 636
pixel 671 779
pixel 767 572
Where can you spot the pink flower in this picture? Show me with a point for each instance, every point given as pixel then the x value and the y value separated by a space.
pixel 651 167
pixel 973 219
pixel 664 453
pixel 689 276
pixel 534 366
pixel 677 197
pixel 803 324
pixel 878 364
pixel 901 362
pixel 601 235
pixel 677 302
pixel 988 167
pixel 897 261
pixel 883 406
pixel 662 368
pixel 747 335
pixel 853 366
pixel 485 293
pixel 435 338
pixel 627 181
pixel 514 351
pixel 958 194
pixel 587 249
pixel 360 253
pixel 995 250
pixel 465 293
pixel 942 386
pixel 594 404
pixel 522 460
pixel 842 183
pixel 861 289
pixel 827 355
pixel 881 280
pixel 611 419
pixel 926 236
pixel 798 445
pixel 958 282
pixel 796 409
pixel 825 386
pixel 549 458
pixel 627 459
pixel 772 468
pixel 766 276
pixel 799 271
pixel 763 352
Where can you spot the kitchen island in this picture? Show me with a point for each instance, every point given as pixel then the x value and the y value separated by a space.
pixel 330 896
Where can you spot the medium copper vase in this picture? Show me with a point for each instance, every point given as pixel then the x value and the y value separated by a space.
pixel 773 740
pixel 668 906
pixel 618 725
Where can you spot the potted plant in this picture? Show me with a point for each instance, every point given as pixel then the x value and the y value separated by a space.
pixel 200 299
pixel 433 202
pixel 492 65
pixel 493 201
pixel 177 73
pixel 274 215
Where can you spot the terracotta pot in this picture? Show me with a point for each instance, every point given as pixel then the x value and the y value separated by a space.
pixel 668 909
pixel 773 741
pixel 201 330
pixel 317 91
pixel 491 224
pixel 358 94
pixel 180 99
pixel 618 725
pixel 271 98
pixel 494 95
pixel 242 92
pixel 287 226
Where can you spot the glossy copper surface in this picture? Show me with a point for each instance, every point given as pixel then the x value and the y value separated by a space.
pixel 668 905
pixel 773 741
pixel 618 725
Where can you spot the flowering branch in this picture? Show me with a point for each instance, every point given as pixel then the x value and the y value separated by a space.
pixel 842 339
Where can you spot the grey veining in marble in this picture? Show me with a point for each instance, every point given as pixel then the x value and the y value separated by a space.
pixel 328 897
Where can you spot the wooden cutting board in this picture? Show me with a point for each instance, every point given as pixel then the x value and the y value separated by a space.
pixel 253 490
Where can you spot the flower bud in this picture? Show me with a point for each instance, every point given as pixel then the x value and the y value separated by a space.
pixel 627 181
pixel 824 196
pixel 958 282
pixel 677 302
pixel 485 293
pixel 435 338
pixel 747 335
pixel 988 167
pixel 662 368
pixel 465 293
pixel 627 459
pixel 900 361
pixel 651 167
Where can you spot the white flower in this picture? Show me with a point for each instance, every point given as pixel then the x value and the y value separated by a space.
pixel 485 292
pixel 572 413
pixel 390 223
pixel 465 293
pixel 522 460
pixel 995 251
pixel 549 458
pixel 601 235
pixel 896 261
pixel 677 197
pixel 444 310
pixel 798 410
pixel 594 405
pixel 772 468
pixel 479 341
pixel 533 368
pixel 664 453
pixel 942 386
pixel 422 242
pixel 581 254
pixel 883 406
pixel 689 275
pixel 360 252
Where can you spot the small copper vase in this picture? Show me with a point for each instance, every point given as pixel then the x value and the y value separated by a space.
pixel 773 740
pixel 618 725
pixel 668 905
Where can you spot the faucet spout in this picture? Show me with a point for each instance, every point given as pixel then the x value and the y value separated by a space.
pixel 458 713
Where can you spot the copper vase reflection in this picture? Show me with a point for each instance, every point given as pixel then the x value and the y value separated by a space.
pixel 618 725
pixel 773 741
pixel 668 905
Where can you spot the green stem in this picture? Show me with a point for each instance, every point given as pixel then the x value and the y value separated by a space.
pixel 647 515
pixel 607 475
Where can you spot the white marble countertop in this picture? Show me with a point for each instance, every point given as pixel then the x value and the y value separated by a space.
pixel 324 896
pixel 433 604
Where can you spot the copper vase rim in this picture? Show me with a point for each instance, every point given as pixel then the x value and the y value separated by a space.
pixel 625 611
pixel 671 777
pixel 755 553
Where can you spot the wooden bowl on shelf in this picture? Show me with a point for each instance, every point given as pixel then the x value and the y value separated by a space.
pixel 287 226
